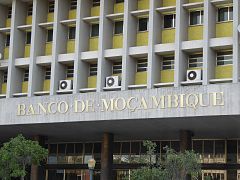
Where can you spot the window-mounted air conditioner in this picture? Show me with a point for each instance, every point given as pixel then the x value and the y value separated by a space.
pixel 113 81
pixel 194 75
pixel 65 85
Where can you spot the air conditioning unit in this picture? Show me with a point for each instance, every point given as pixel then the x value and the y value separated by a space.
pixel 113 81
pixel 65 85
pixel 194 75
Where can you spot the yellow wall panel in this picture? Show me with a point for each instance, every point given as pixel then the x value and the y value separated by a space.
pixel 46 85
pixel 195 33
pixel 167 76
pixel 93 44
pixel 72 14
pixel 222 72
pixel 92 81
pixel 117 41
pixel 48 49
pixel 27 50
pixel 8 22
pixel 4 88
pixel 143 4
pixel 118 8
pixel 169 3
pixel 95 11
pixel 224 29
pixel 29 20
pixel 71 46
pixel 25 87
pixel 50 17
pixel 6 53
pixel 194 1
pixel 168 36
pixel 142 38
pixel 141 78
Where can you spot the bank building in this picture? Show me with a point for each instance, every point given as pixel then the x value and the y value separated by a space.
pixel 95 78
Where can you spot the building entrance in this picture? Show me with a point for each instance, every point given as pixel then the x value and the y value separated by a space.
pixel 71 175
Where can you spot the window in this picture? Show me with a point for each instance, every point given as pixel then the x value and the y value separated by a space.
pixel 93 70
pixel 142 65
pixel 25 75
pixel 196 17
pixel 119 1
pixel 28 38
pixel 224 58
pixel 118 27
pixel 9 12
pixel 195 61
pixel 47 74
pixel 71 33
pixel 225 14
pixel 70 71
pixel 94 30
pixel 168 63
pixel 51 6
pixel 96 3
pixel 73 4
pixel 49 35
pixel 142 24
pixel 30 10
pixel 5 76
pixel 117 68
pixel 170 21
pixel 7 41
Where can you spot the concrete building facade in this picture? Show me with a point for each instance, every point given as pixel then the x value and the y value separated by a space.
pixel 93 79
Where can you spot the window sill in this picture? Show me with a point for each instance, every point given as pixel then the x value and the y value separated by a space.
pixel 41 93
pixel 158 85
pixel 85 90
pixel 140 86
pixel 118 88
pixel 214 81
pixel 20 95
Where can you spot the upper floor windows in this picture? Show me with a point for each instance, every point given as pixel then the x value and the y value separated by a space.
pixel 72 33
pixel 26 75
pixel 142 24
pixel 170 21
pixel 195 61
pixel 70 71
pixel 93 70
pixel 5 76
pixel 49 35
pixel 7 41
pixel 96 2
pixel 119 1
pixel 9 12
pixel 30 10
pixel 118 27
pixel 117 68
pixel 73 4
pixel 224 58
pixel 225 14
pixel 51 6
pixel 168 63
pixel 47 74
pixel 94 30
pixel 142 65
pixel 196 18
pixel 28 37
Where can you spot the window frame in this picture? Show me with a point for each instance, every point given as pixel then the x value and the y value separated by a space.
pixel 7 40
pixel 174 21
pixel 47 73
pixel 95 3
pixel 70 71
pixel 168 59
pixel 201 13
pixel 195 57
pixel 47 38
pixel 224 60
pixel 30 10
pixel 140 62
pixel 71 36
pixel 119 1
pixel 51 6
pixel 228 16
pixel 26 75
pixel 73 4
pixel 114 30
pixel 93 68
pixel 9 15
pixel 117 67
pixel 91 35
pixel 5 76
pixel 142 18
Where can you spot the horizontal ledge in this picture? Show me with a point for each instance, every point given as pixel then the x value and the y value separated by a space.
pixel 41 93
pixel 91 19
pixel 46 24
pixel 141 86
pixel 5 30
pixel 112 88
pixel 157 85
pixel 193 5
pixel 2 96
pixel 185 83
pixel 84 90
pixel 64 91
pixel 20 95
pixel 25 27
pixel 116 16
pixel 69 22
pixel 213 81
pixel 166 9
pixel 140 12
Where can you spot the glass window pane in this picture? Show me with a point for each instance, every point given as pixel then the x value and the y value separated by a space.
pixel 143 24
pixel 195 17
pixel 95 30
pixel 118 29
pixel 169 21
pixel 223 14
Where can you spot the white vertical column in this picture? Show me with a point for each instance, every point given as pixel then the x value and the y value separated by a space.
pixel 129 39
pixel 82 38
pixel 154 29
pixel 208 33
pixel 58 70
pixel 236 47
pixel 181 35
pixel 36 73
pixel 15 74
pixel 104 67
